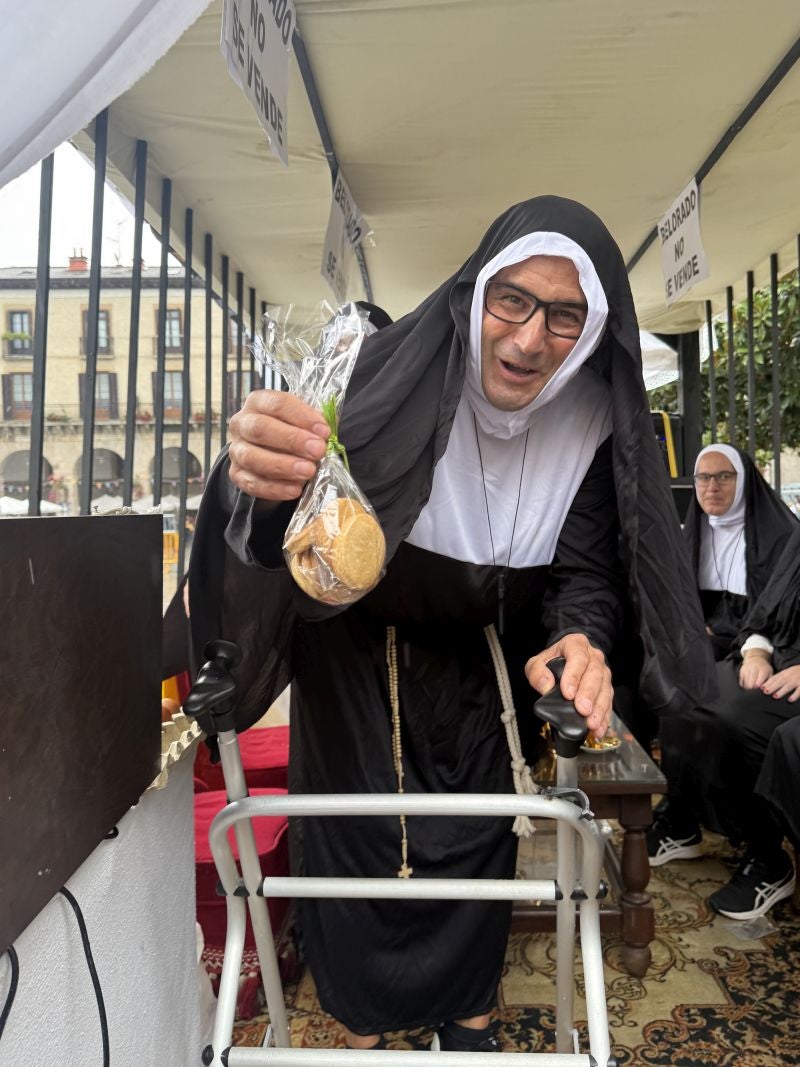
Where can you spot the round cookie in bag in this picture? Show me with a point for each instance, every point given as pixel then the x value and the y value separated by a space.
pixel 357 552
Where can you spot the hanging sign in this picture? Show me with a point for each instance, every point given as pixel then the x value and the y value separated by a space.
pixel 347 228
pixel 256 38
pixel 683 258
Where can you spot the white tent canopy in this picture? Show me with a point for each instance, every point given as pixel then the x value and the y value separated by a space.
pixel 443 115
pixel 62 63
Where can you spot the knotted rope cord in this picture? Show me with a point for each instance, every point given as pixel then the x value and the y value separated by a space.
pixel 397 746
pixel 523 779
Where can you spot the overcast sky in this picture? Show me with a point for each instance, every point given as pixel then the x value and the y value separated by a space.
pixel 73 190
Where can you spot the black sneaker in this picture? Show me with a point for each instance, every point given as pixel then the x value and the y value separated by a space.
pixel 456 1038
pixel 755 887
pixel 665 842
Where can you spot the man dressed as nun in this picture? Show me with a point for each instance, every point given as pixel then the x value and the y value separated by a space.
pixel 501 431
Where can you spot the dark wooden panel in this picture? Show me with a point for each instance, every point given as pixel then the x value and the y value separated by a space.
pixel 80 663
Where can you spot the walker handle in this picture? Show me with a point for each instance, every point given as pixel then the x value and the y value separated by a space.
pixel 568 726
pixel 210 699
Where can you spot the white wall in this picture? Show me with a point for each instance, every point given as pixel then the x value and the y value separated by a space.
pixel 137 896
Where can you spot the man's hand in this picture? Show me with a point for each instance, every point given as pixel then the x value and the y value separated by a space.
pixel 586 680
pixel 756 669
pixel 785 683
pixel 277 440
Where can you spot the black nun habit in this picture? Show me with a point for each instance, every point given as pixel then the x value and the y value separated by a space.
pixel 383 965
pixel 734 555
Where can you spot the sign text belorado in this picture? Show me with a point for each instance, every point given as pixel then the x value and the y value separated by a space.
pixel 683 258
pixel 256 38
pixel 347 228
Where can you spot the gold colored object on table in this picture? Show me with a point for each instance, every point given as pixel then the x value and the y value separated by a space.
pixel 608 743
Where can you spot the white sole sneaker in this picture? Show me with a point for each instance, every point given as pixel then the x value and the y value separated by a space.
pixel 767 895
pixel 670 849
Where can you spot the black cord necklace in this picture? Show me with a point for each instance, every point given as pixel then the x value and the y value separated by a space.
pixel 501 574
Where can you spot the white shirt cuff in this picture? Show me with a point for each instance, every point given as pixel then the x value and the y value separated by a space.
pixel 757 641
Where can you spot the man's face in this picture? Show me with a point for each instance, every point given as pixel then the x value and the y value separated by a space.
pixel 518 360
pixel 714 497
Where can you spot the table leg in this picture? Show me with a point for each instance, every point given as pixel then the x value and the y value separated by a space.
pixel 638 924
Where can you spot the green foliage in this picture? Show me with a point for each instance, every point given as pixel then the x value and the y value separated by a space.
pixel 666 399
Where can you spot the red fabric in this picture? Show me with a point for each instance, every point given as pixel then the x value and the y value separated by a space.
pixel 272 843
pixel 265 759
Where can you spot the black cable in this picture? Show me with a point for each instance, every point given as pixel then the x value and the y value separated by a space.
pixel 101 1008
pixel 12 989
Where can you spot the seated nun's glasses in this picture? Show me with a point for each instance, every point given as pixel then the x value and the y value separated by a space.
pixel 510 304
pixel 721 478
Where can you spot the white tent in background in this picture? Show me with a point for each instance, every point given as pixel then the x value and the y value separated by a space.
pixel 11 505
pixel 659 361
pixel 106 502
pixel 168 503
pixel 193 502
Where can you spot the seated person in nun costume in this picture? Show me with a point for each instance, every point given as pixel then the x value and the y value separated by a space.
pixel 736 528
pixel 501 431
pixel 780 771
pixel 750 798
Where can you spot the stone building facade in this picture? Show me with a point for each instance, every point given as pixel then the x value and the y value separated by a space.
pixel 64 381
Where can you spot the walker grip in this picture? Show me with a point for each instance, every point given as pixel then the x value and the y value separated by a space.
pixel 210 699
pixel 568 726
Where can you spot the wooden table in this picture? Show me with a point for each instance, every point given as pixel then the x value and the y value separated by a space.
pixel 620 785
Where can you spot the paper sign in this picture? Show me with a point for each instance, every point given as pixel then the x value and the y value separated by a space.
pixel 347 228
pixel 683 258
pixel 256 37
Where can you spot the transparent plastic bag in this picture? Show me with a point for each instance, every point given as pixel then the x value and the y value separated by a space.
pixel 334 545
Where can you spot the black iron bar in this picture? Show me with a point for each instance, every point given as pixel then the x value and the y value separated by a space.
pixel 759 97
pixel 267 376
pixel 161 342
pixel 209 261
pixel 183 476
pixel 309 81
pixel 226 330
pixel 712 373
pixel 751 368
pixel 776 374
pixel 731 368
pixel 252 381
pixel 36 451
pixel 239 337
pixel 133 344
pixel 93 314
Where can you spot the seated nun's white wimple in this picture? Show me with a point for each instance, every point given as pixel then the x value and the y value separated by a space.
pixel 567 421
pixel 722 564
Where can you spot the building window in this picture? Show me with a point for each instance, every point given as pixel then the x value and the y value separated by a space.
pixel 233 337
pixel 250 381
pixel 17 396
pixel 173 393
pixel 18 344
pixel 105 344
pixel 105 396
pixel 173 336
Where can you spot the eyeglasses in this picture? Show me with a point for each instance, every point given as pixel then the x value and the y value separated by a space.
pixel 721 478
pixel 510 304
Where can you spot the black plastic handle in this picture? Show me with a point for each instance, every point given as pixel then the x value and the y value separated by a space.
pixel 210 699
pixel 567 725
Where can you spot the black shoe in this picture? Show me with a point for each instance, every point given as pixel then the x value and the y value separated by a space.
pixel 755 887
pixel 666 842
pixel 456 1038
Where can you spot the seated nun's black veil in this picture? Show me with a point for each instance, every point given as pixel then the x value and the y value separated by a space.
pixel 396 420
pixel 776 613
